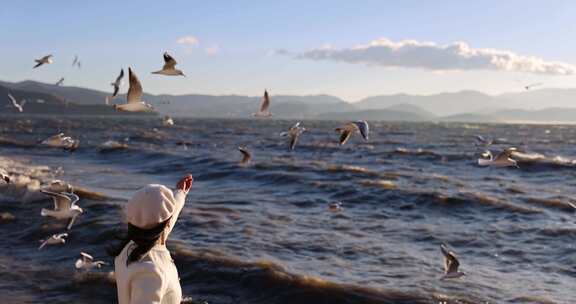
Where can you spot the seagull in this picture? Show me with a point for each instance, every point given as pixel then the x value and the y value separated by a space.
pixel 294 132
pixel 347 130
pixel 264 106
pixel 335 207
pixel 77 62
pixel 169 68
pixel 134 101
pixel 117 83
pixel 451 264
pixel 64 207
pixel 4 177
pixel 60 82
pixel 87 262
pixel 246 156
pixel 15 104
pixel 54 239
pixel 167 121
pixel 483 141
pixel 44 60
pixel 530 86
pixel 61 141
pixel 502 160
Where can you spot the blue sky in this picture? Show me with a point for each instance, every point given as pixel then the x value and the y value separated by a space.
pixel 243 35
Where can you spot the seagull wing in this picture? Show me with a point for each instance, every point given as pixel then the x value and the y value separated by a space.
pixel 119 78
pixel 363 127
pixel 116 89
pixel 169 62
pixel 61 201
pixel 43 243
pixel 86 257
pixel 504 155
pixel 265 103
pixel 293 140
pixel 12 99
pixel 135 90
pixel 451 263
pixel 246 155
pixel 61 235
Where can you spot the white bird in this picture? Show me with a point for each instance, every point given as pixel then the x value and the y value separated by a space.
pixel 44 60
pixel 335 207
pixel 502 160
pixel 60 82
pixel 4 177
pixel 61 141
pixel 15 104
pixel 169 68
pixel 167 121
pixel 246 156
pixel 117 83
pixel 264 106
pixel 53 240
pixel 64 207
pixel 351 127
pixel 134 101
pixel 294 133
pixel 451 264
pixel 87 262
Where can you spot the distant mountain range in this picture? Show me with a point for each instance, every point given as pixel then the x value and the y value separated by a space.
pixel 465 106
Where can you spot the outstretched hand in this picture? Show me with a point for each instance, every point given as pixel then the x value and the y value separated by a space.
pixel 185 184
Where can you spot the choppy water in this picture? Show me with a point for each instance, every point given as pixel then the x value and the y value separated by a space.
pixel 263 233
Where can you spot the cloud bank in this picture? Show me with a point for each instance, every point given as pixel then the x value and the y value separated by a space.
pixel 457 56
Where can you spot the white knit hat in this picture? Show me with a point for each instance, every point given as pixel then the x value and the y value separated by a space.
pixel 150 206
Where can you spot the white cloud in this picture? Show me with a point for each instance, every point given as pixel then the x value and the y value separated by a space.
pixel 432 56
pixel 188 40
pixel 212 50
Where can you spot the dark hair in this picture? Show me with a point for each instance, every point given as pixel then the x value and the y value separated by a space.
pixel 144 239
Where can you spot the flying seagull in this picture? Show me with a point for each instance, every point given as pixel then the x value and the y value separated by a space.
pixel 60 82
pixel 44 60
pixel 134 101
pixel 351 127
pixel 87 262
pixel 294 133
pixel 169 68
pixel 530 86
pixel 64 207
pixel 54 239
pixel 504 159
pixel 451 264
pixel 77 62
pixel 61 141
pixel 15 104
pixel 246 156
pixel 117 83
pixel 264 106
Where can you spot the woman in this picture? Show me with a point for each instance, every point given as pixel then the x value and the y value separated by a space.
pixel 145 272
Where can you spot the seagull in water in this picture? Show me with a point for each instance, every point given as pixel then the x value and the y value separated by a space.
pixel 53 240
pixel 167 121
pixel 169 68
pixel 502 160
pixel 64 207
pixel 347 130
pixel 59 82
pixel 4 177
pixel 246 156
pixel 61 141
pixel 15 104
pixel 44 60
pixel 117 83
pixel 451 264
pixel 264 106
pixel 335 207
pixel 294 132
pixel 87 262
pixel 134 101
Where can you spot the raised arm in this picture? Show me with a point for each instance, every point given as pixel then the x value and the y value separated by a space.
pixel 182 188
